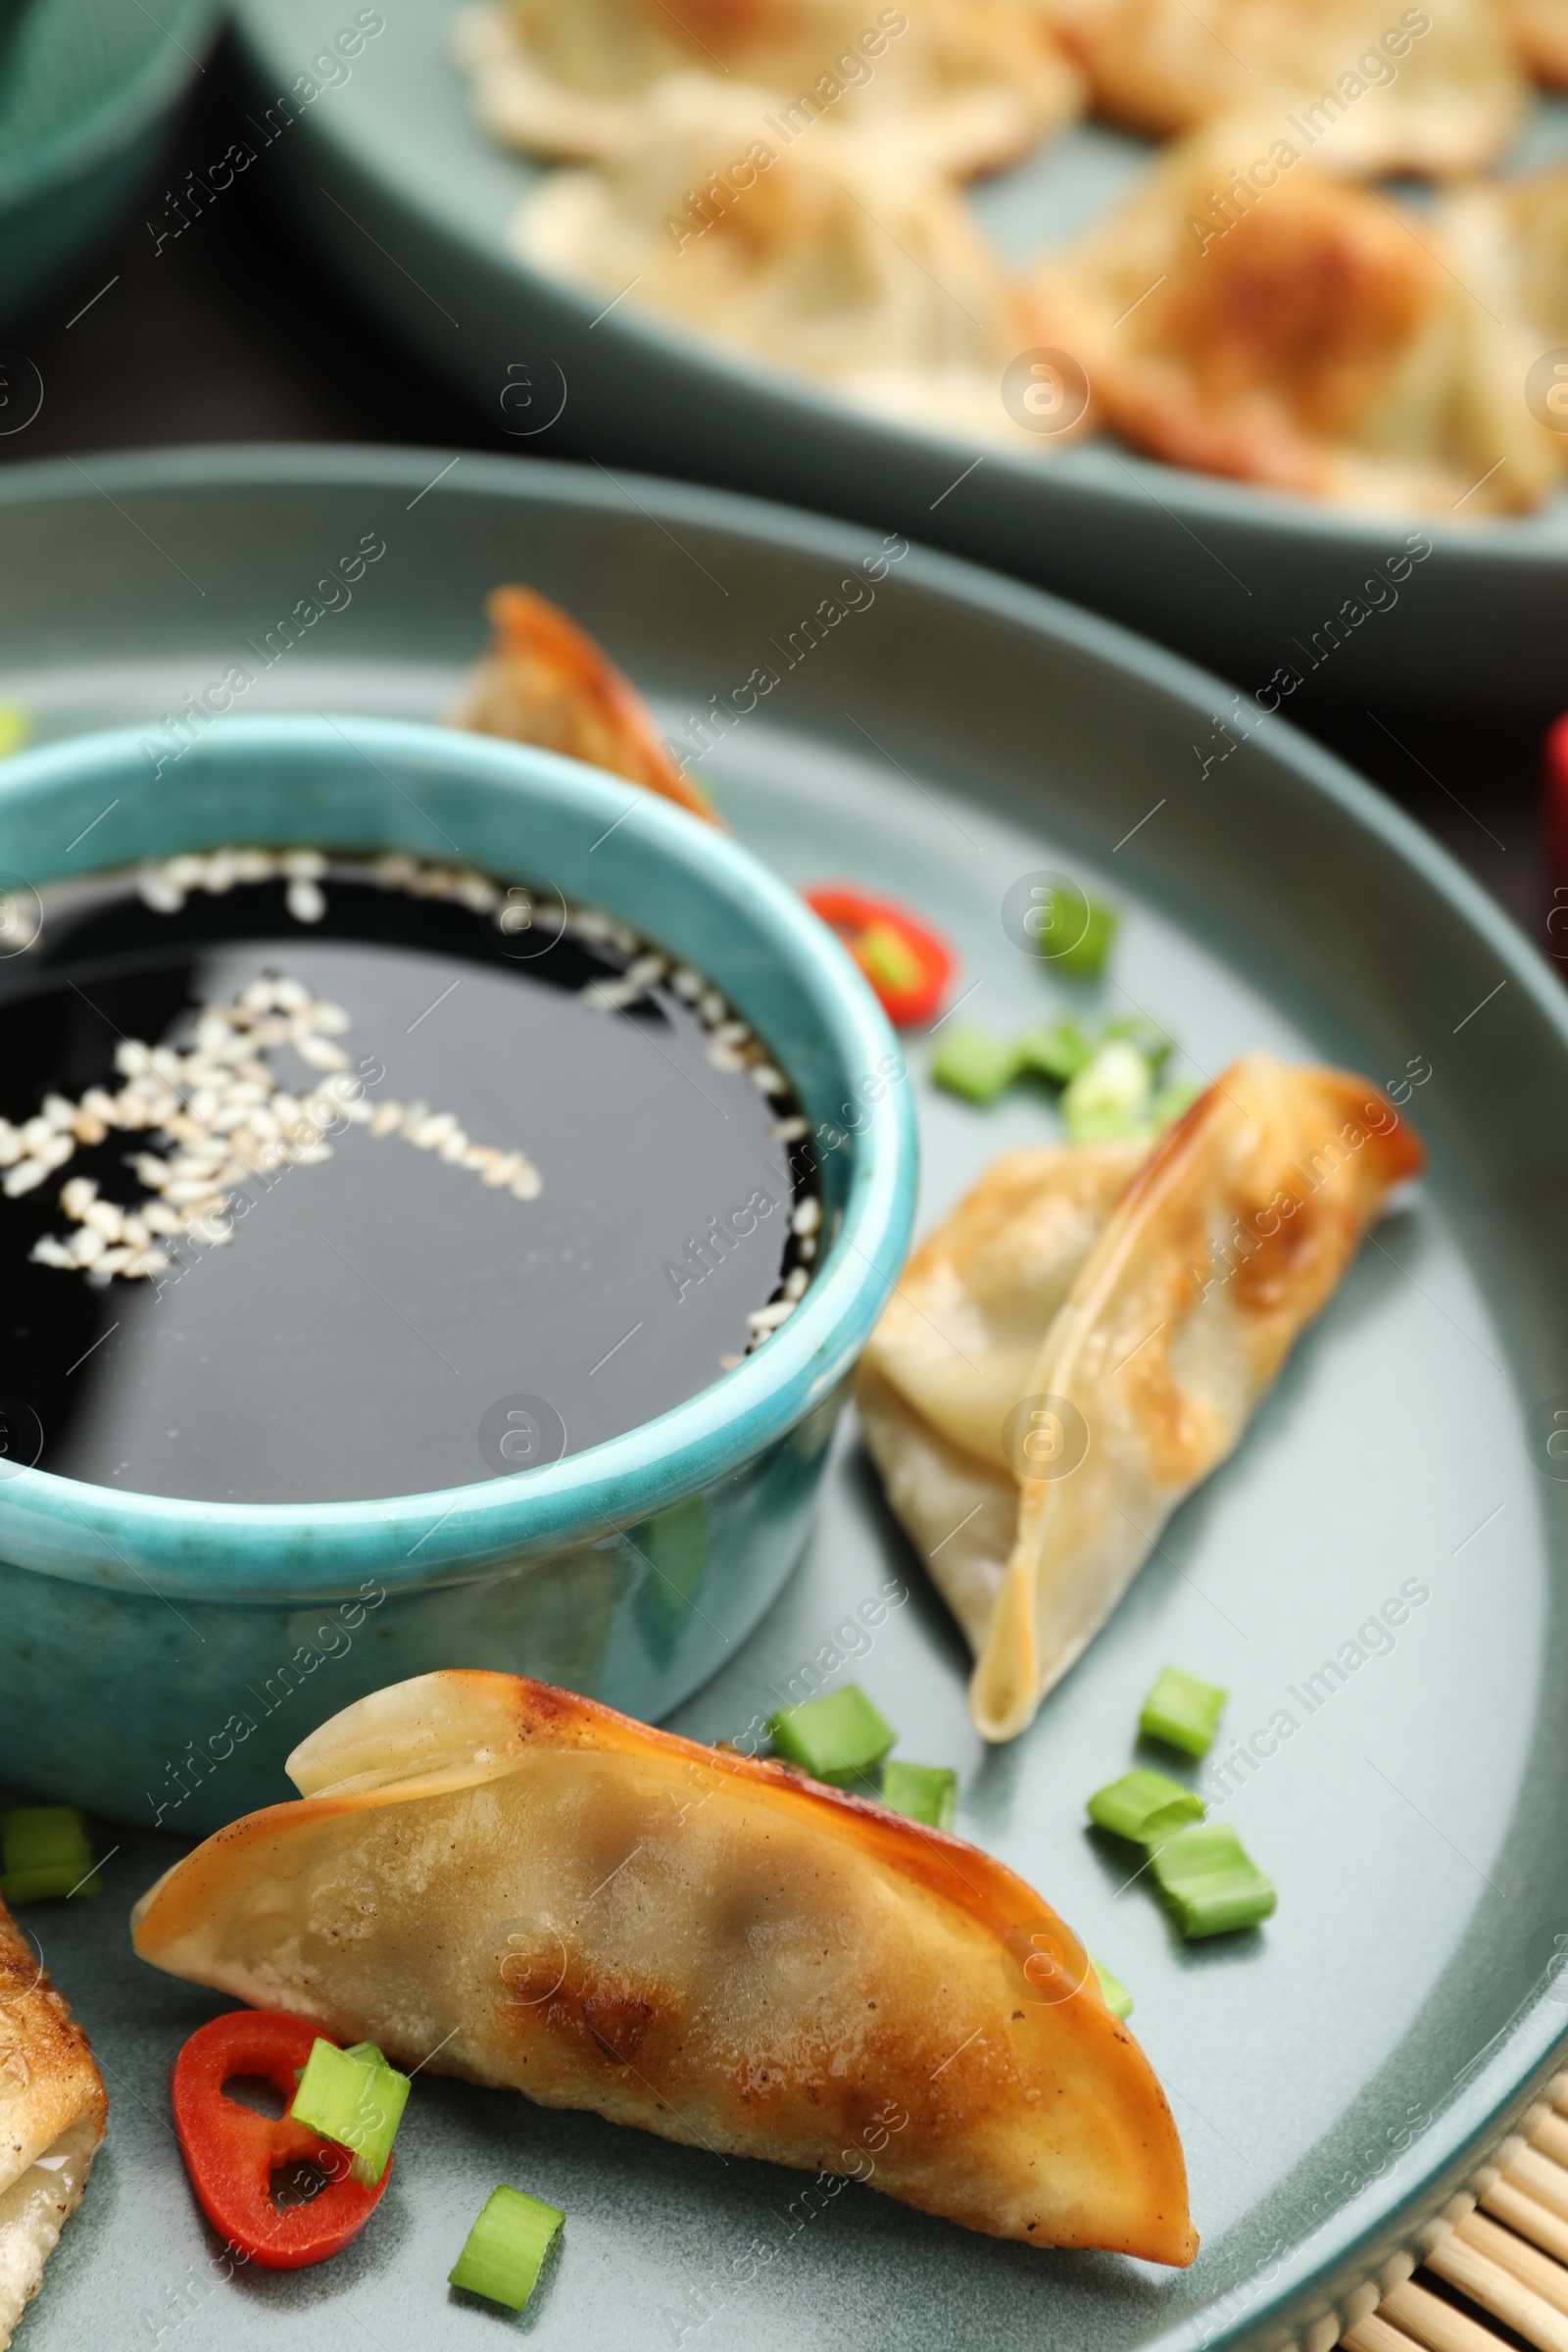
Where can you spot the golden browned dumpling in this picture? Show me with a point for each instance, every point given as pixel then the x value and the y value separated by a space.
pixel 1427 89
pixel 1539 31
pixel 838 256
pixel 53 2112
pixel 1246 313
pixel 968 84
pixel 514 1885
pixel 1166 1291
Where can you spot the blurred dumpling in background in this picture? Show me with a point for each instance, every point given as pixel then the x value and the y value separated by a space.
pixel 1437 90
pixel 970 84
pixel 1246 313
pixel 839 256
pixel 1540 29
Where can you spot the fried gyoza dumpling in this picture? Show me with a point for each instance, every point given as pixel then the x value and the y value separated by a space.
pixel 526 1889
pixel 547 682
pixel 1246 313
pixel 1436 92
pixel 967 84
pixel 839 256
pixel 1539 31
pixel 53 2114
pixel 1182 1285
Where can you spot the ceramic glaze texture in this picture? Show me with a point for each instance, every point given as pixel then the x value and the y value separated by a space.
pixel 626 1571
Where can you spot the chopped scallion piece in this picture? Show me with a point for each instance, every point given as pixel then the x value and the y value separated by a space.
pixel 1171 1100
pixel 354 2100
pixel 1110 1095
pixel 1142 1805
pixel 973 1063
pixel 1092 935
pixel 927 1792
pixel 46 1851
pixel 1183 1711
pixel 1118 2000
pixel 505 2248
pixel 1056 1049
pixel 836 1738
pixel 1156 1044
pixel 1210 1884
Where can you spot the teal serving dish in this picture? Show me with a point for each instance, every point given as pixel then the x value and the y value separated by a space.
pixel 150 1643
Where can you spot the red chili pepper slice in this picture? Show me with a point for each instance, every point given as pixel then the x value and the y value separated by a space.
pixel 1555 763
pixel 231 2152
pixel 907 966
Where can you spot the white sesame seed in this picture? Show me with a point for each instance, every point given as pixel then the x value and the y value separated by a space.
pixel 808 1214
pixel 156 891
pixel 768 1318
pixel 589 923
pixel 103 1218
pixel 795 1282
pixel 528 1184
pixel 289 995
pixel 330 1019
pixel 479 891
pixel 395 869
pixel 222 875
pixel 646 971
pixel 385 1117
pixel 725 1057
pixel 85 1247
pixel 432 1131
pixel 303 866
pixel 305 902
pixel 36 1133
pixel 46 1251
pixel 311 1155
pixel 76 1196
pixel 184 872
pixel 10 1145
pixel 711 1007
pixel 147 1261
pixel 111 1263
pixel 687 984
pixel 503 1170
pixel 765 1079
pixel 160 1219
pixel 137 1232
pixel 789 1131
pixel 254 866
pixel 58 1111
pixel 807 1247
pixel 322 1054
pixel 456 1145
pixel 515 915
pixel 732 1033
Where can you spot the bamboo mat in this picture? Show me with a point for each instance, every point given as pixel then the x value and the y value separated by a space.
pixel 1501 2250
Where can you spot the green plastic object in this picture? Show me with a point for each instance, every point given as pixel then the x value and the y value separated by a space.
pixel 838 1738
pixel 505 2250
pixel 1183 1711
pixel 47 1851
pixel 1144 1804
pixel 927 1792
pixel 1209 1881
pixel 354 2098
pixel 1118 2000
pixel 973 1063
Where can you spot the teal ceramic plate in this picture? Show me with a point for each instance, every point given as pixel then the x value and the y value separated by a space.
pixel 87 88
pixel 1334 2076
pixel 387 174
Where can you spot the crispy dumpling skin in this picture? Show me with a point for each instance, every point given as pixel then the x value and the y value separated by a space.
pixel 966 85
pixel 546 681
pixel 53 2116
pixel 842 257
pixel 521 1887
pixel 1448 103
pixel 1300 331
pixel 1539 31
pixel 955 1348
pixel 1230 1237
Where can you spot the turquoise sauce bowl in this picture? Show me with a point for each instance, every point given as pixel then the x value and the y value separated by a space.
pixel 159 1658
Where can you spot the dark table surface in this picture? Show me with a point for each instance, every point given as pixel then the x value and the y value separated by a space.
pixel 239 335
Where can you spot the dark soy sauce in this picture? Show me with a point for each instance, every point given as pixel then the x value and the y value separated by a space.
pixel 383 1322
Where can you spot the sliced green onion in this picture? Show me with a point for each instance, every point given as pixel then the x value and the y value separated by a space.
pixel 1056 1049
pixel 1209 1882
pixel 973 1063
pixel 1110 1095
pixel 836 1738
pixel 1144 1804
pixel 1183 1711
pixel 886 956
pixel 47 1851
pixel 1095 929
pixel 927 1792
pixel 354 2100
pixel 1171 1100
pixel 1154 1044
pixel 1118 2000
pixel 367 2053
pixel 505 2250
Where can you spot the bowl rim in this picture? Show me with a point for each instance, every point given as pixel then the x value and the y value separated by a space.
pixel 269 1549
pixel 116 116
